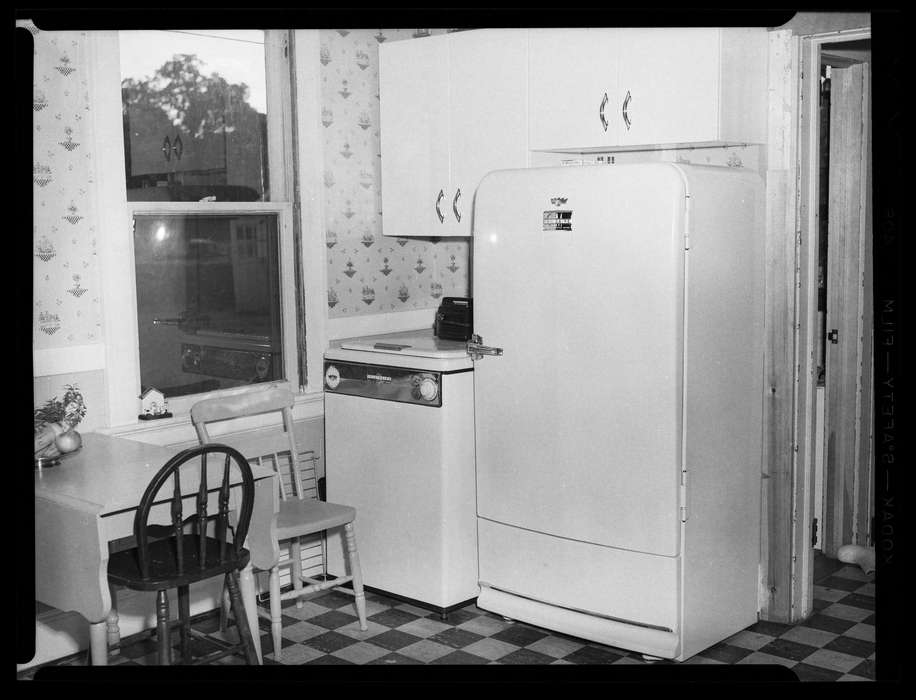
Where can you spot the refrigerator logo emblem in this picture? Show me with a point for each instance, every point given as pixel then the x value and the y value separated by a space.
pixel 558 201
pixel 558 220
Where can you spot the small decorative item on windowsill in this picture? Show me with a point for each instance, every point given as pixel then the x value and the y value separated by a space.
pixel 55 427
pixel 153 405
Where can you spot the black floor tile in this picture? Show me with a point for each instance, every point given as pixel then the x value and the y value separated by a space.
pixel 456 638
pixel 841 584
pixel 332 620
pixel 866 669
pixel 726 653
pixel 527 657
pixel 787 649
pixel 393 659
pixel 333 599
pixel 814 673
pixel 393 618
pixel 460 658
pixel 519 635
pixel 592 655
pixel 828 624
pixel 330 642
pixel 857 600
pixel 328 660
pixel 851 646
pixel 394 639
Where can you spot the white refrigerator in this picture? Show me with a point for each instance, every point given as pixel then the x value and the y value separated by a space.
pixel 618 435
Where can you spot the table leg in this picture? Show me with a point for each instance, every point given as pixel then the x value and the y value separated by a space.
pixel 98 643
pixel 249 600
pixel 114 629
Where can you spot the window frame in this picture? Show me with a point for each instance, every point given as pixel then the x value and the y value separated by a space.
pixel 116 216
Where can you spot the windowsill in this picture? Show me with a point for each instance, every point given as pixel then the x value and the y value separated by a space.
pixel 178 429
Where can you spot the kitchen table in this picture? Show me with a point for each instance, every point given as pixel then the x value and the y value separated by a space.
pixel 89 500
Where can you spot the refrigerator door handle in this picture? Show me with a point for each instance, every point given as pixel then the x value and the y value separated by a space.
pixel 476 348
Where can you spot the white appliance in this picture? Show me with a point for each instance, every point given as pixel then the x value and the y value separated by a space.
pixel 619 435
pixel 399 447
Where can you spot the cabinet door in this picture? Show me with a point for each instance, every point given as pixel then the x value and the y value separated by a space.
pixel 572 88
pixel 488 108
pixel 668 85
pixel 413 83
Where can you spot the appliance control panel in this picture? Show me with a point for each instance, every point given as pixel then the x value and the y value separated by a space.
pixel 383 383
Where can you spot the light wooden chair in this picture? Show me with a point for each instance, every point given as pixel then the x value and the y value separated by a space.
pixel 300 514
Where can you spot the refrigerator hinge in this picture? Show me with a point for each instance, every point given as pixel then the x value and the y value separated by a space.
pixel 683 495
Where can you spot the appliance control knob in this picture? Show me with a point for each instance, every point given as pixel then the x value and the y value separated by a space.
pixel 429 390
pixel 332 377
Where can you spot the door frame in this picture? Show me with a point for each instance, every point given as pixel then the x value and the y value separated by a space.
pixel 802 554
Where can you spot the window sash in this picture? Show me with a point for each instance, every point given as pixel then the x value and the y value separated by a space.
pixel 283 212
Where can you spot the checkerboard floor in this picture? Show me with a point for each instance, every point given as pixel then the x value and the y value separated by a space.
pixel 836 643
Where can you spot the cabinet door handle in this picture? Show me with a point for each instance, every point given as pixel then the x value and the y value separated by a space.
pixel 438 212
pixel 601 112
pixel 455 205
pixel 167 148
pixel 626 106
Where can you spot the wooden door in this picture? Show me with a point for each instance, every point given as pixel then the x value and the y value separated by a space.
pixel 488 113
pixel 848 471
pixel 571 84
pixel 414 94
pixel 668 86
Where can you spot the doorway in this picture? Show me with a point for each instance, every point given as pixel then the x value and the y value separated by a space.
pixel 844 465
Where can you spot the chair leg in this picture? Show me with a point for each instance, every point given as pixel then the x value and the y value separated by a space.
pixel 295 557
pixel 162 628
pixel 224 610
pixel 184 617
pixel 357 575
pixel 241 619
pixel 276 615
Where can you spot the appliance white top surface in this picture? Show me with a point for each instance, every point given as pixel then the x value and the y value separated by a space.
pixel 419 343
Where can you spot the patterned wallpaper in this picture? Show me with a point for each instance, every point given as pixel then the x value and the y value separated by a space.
pixel 66 304
pixel 367 272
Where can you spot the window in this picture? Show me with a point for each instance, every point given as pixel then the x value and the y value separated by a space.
pixel 211 214
pixel 208 301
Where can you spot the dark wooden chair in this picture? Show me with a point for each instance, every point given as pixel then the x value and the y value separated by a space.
pixel 167 557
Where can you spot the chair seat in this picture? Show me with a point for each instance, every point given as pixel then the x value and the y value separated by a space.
pixel 305 517
pixel 124 569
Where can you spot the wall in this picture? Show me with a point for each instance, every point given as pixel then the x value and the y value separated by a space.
pixel 367 272
pixel 66 307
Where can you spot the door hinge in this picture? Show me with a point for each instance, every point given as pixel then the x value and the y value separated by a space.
pixel 833 336
pixel 814 532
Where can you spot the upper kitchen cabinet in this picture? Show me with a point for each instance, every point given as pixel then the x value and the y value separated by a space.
pixel 600 89
pixel 453 108
pixel 572 76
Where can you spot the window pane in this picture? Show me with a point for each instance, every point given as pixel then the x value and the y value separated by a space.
pixel 194 111
pixel 208 301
